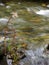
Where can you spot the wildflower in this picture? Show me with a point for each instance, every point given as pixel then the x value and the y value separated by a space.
pixel 14 14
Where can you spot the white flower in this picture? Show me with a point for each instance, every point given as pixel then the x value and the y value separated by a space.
pixel 14 14
pixel 2 39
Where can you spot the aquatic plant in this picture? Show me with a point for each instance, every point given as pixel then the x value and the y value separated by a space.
pixel 12 48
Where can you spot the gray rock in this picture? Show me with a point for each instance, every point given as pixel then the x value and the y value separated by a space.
pixel 3 20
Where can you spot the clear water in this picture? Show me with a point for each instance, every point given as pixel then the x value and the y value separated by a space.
pixel 32 26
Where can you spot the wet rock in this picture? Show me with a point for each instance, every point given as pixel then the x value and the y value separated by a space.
pixel 9 61
pixel 21 55
pixel 1 4
pixel 26 61
pixel 44 5
pixel 39 61
pixel 29 53
pixel 8 7
pixel 47 6
pixel 3 21
pixel 35 61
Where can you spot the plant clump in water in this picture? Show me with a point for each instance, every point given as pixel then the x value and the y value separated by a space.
pixel 12 50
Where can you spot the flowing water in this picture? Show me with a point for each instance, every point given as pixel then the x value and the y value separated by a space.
pixel 31 21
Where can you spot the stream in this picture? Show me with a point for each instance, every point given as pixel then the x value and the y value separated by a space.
pixel 31 21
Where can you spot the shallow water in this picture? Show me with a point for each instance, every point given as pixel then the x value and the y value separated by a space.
pixel 32 26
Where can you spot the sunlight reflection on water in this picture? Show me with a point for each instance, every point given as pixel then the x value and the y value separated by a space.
pixel 43 12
